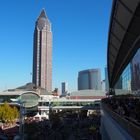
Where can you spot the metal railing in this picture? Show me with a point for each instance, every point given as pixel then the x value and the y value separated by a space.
pixel 130 127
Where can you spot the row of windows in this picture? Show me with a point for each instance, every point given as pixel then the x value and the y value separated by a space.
pixel 69 103
pixel 126 78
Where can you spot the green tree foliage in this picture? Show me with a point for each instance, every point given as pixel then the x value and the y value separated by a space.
pixel 8 114
pixel 55 103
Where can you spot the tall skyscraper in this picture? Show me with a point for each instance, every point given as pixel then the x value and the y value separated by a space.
pixel 89 79
pixel 64 88
pixel 42 54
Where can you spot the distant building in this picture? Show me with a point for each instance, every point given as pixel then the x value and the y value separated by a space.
pixel 42 54
pixel 64 88
pixel 106 80
pixel 89 79
pixel 87 94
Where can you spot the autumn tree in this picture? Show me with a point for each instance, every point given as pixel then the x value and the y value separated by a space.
pixel 8 114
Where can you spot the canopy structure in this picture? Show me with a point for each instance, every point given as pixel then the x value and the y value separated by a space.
pixel 29 99
pixel 124 39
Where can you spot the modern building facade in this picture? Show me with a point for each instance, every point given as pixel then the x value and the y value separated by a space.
pixel 118 84
pixel 64 88
pixel 126 78
pixel 42 54
pixel 87 94
pixel 106 80
pixel 89 79
pixel 135 70
pixel 131 74
pixel 123 43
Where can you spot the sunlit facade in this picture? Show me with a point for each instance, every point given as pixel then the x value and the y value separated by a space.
pixel 42 55
pixel 89 79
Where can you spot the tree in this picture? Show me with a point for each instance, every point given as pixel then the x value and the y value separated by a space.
pixel 8 114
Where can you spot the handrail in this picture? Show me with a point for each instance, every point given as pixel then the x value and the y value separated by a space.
pixel 131 128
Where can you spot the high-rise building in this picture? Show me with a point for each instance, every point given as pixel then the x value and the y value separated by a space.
pixel 42 54
pixel 89 79
pixel 64 88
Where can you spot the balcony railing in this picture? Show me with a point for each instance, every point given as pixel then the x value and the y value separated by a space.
pixel 131 126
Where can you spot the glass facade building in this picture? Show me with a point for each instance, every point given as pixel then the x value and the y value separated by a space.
pixel 131 74
pixel 126 78
pixel 135 71
pixel 119 83
pixel 106 80
pixel 89 79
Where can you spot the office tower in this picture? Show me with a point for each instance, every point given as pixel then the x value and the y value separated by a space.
pixel 89 79
pixel 42 54
pixel 64 88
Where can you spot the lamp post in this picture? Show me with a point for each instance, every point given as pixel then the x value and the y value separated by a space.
pixel 49 109
pixel 21 118
pixel 22 114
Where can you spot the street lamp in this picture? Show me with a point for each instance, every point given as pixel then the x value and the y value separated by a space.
pixel 22 114
pixel 21 118
pixel 49 108
pixel 27 100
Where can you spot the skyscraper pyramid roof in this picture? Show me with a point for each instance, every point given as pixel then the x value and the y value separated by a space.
pixel 43 14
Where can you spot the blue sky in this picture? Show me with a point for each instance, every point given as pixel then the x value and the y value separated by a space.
pixel 80 32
